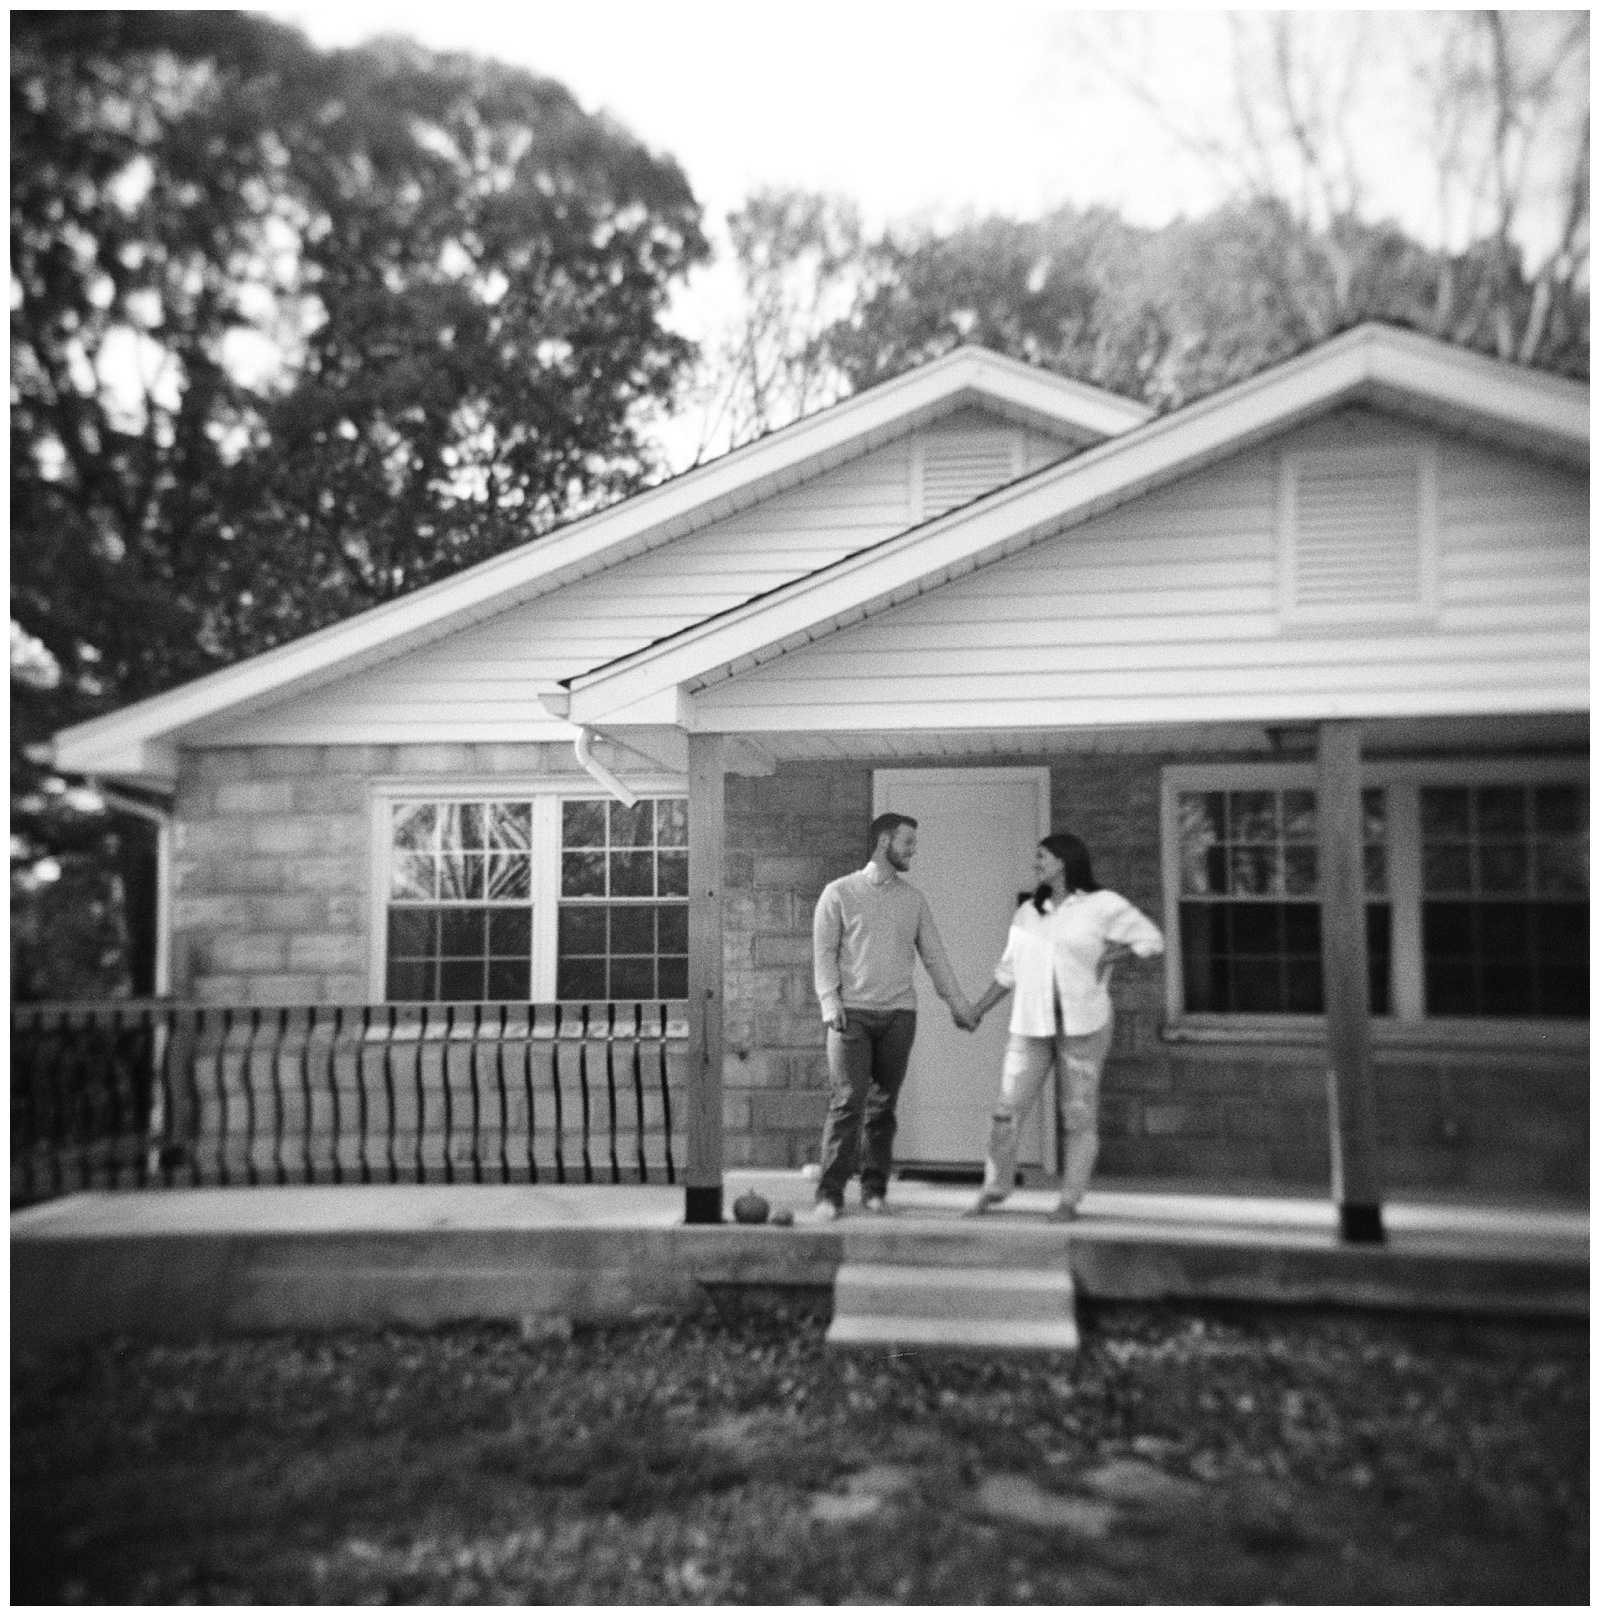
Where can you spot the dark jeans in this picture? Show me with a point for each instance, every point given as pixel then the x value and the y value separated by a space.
pixel 866 1066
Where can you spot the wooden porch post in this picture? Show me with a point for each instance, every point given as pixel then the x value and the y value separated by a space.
pixel 703 1173
pixel 1352 1100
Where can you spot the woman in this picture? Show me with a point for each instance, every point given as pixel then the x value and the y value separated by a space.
pixel 1058 958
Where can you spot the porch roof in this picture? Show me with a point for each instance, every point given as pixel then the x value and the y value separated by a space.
pixel 1377 365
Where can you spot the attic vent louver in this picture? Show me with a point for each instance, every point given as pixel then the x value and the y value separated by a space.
pixel 1356 534
pixel 958 467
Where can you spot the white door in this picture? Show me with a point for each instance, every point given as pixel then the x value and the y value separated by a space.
pixel 976 832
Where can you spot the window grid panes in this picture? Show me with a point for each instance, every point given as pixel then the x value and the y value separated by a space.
pixel 623 920
pixel 460 902
pixel 1505 899
pixel 1249 916
pixel 461 897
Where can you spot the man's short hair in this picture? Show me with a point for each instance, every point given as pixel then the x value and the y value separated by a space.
pixel 888 824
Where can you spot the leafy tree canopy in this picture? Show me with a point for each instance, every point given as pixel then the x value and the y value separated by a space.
pixel 294 333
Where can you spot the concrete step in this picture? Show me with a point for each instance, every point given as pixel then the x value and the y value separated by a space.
pixel 940 1305
pixel 980 1243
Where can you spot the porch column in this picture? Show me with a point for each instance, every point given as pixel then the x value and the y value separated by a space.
pixel 703 1171
pixel 1352 1100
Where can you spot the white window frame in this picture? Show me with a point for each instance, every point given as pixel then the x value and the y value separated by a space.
pixel 1423 455
pixel 1401 779
pixel 546 795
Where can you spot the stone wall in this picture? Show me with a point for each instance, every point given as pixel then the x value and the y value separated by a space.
pixel 271 906
pixel 788 835
pixel 1242 1115
pixel 1239 1116
pixel 271 873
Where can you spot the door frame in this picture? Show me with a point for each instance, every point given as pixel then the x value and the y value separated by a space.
pixel 1036 773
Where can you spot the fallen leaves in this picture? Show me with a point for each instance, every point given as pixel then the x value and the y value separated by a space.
pixel 735 1457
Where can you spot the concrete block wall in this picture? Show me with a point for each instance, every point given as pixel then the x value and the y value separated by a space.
pixel 271 865
pixel 1232 1115
pixel 271 907
pixel 1486 1120
pixel 788 835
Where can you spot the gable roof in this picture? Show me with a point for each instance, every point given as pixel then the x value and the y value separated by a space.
pixel 136 740
pixel 1379 365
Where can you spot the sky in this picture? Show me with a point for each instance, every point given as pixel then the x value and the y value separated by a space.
pixel 915 112
pixel 926 112
pixel 910 110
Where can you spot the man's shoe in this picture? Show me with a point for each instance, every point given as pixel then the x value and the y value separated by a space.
pixel 874 1203
pixel 1062 1213
pixel 824 1211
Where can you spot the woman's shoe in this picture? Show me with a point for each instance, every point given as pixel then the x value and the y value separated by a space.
pixel 987 1200
pixel 1062 1213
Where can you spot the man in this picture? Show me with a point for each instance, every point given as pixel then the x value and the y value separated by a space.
pixel 868 929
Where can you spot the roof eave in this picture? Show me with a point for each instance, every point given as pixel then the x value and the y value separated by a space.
pixel 502 581
pixel 1368 363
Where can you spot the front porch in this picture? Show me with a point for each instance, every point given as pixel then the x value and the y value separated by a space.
pixel 186 1264
pixel 1364 1076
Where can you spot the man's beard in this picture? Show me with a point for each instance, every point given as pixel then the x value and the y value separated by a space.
pixel 898 861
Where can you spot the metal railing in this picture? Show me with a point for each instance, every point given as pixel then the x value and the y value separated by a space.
pixel 148 1093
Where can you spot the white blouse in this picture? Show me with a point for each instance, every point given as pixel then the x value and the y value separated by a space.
pixel 1055 958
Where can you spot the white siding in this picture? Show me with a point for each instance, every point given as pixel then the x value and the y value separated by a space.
pixel 1167 610
pixel 480 684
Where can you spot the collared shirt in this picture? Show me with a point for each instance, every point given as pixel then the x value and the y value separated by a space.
pixel 1052 961
pixel 865 936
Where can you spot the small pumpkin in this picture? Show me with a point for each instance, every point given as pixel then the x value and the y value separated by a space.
pixel 751 1208
pixel 783 1217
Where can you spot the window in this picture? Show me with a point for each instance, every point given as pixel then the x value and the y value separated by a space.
pixel 532 898
pixel 624 925
pixel 460 901
pixel 1357 534
pixel 1249 919
pixel 1477 880
pixel 1505 910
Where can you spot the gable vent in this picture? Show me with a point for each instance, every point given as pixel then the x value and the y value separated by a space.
pixel 956 469
pixel 1357 534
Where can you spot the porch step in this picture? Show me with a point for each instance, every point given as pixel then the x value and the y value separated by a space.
pixel 943 1306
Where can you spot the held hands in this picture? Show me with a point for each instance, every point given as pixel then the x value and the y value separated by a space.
pixel 966 1015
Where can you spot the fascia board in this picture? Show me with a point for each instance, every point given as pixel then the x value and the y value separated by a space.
pixel 506 580
pixel 149 760
pixel 1011 518
pixel 1553 407
pixel 1039 392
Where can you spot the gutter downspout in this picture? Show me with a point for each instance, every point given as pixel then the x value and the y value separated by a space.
pixel 598 772
pixel 161 818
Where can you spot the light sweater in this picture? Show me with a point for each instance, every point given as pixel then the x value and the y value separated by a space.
pixel 865 937
pixel 1055 957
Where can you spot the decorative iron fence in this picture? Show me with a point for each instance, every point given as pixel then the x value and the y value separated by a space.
pixel 148 1093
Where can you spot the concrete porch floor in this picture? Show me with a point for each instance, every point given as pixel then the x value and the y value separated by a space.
pixel 190 1263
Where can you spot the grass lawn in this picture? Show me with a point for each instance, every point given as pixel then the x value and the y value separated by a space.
pixel 1180 1457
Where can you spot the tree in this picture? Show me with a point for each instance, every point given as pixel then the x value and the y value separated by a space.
pixel 799 259
pixel 1488 110
pixel 294 333
pixel 1046 292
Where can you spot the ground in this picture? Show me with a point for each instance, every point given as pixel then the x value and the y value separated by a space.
pixel 1179 1457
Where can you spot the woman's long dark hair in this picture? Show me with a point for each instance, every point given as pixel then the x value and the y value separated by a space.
pixel 1074 855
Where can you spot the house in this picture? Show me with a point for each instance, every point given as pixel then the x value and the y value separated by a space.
pixel 1000 601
